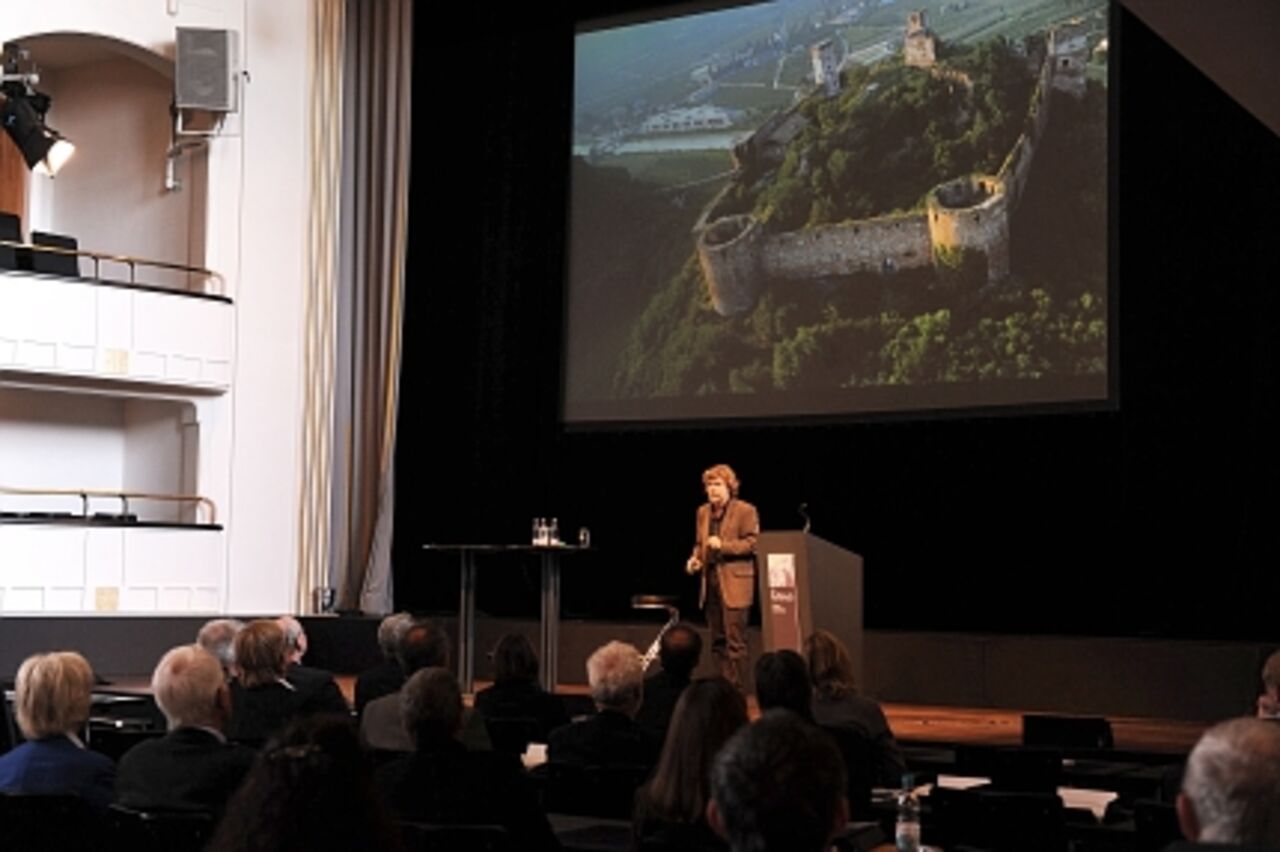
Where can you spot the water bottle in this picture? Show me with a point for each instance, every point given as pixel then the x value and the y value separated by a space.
pixel 553 532
pixel 907 833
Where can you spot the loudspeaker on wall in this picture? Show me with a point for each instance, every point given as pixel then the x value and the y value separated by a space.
pixel 205 68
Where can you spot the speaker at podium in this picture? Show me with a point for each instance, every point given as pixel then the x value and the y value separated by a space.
pixel 807 584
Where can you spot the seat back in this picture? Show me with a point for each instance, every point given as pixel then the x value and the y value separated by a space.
pixel 55 263
pixel 512 735
pixel 65 823
pixel 424 837
pixel 599 791
pixel 160 831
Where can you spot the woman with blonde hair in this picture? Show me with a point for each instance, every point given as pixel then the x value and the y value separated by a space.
pixel 836 703
pixel 52 695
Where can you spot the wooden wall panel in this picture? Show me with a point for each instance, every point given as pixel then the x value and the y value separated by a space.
pixel 13 178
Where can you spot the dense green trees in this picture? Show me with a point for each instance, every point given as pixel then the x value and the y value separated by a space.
pixel 893 134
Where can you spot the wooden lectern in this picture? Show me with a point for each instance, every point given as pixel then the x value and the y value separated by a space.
pixel 807 584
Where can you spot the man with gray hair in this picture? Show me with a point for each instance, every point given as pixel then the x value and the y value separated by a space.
pixel 1231 789
pixel 386 677
pixel 615 673
pixel 317 684
pixel 193 767
pixel 218 638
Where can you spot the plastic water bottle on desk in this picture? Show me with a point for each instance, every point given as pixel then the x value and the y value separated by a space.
pixel 907 834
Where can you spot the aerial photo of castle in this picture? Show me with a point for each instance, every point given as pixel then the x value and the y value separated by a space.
pixel 826 199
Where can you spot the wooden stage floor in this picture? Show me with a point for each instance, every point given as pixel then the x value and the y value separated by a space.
pixel 926 724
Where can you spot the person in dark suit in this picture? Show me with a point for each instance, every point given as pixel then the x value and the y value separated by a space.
pixel 680 653
pixel 1231 788
pixel 724 556
pixel 442 782
pixel 52 695
pixel 318 685
pixel 611 737
pixel 262 700
pixel 386 677
pixel 836 703
pixel 517 696
pixel 193 767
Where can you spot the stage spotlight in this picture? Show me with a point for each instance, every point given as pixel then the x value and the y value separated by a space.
pixel 22 114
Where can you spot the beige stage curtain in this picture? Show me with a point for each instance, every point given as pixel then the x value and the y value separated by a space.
pixel 325 61
pixel 376 150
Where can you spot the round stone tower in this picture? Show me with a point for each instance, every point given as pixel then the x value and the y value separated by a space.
pixel 729 252
pixel 972 213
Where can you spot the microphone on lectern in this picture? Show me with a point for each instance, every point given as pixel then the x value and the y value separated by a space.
pixel 801 509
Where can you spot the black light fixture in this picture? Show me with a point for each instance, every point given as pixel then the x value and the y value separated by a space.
pixel 22 112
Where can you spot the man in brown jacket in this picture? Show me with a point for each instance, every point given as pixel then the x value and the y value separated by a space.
pixel 724 554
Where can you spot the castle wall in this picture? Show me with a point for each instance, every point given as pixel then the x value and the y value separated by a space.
pixel 729 254
pixel 1017 165
pixel 869 245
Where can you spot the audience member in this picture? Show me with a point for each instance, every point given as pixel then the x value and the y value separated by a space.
pixel 218 638
pixel 679 652
pixel 318 685
pixel 836 703
pixel 52 696
pixel 386 677
pixel 778 785
pixel 516 693
pixel 193 767
pixel 1231 788
pixel 615 673
pixel 782 681
pixel 443 782
pixel 424 645
pixel 309 791
pixel 263 701
pixel 671 808
pixel 1269 700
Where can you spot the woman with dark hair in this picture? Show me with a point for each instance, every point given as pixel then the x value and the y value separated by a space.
pixel 837 704
pixel 671 808
pixel 516 710
pixel 310 789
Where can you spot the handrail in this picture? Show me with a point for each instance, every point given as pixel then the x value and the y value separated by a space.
pixel 129 260
pixel 123 496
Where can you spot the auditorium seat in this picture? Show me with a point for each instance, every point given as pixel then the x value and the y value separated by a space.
pixel 422 837
pixel 64 823
pixel 54 263
pixel 159 831
pixel 599 791
pixel 512 735
pixel 997 821
pixel 11 231
pixel 1155 824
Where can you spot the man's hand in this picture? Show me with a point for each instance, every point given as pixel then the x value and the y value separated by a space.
pixel 713 542
pixel 693 566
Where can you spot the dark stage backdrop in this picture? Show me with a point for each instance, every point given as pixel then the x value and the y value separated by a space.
pixel 1151 519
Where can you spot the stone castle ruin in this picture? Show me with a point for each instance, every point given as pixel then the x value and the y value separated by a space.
pixel 919 46
pixel 970 213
